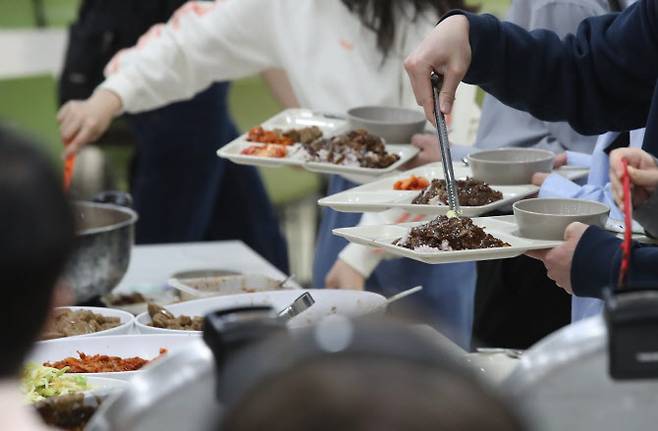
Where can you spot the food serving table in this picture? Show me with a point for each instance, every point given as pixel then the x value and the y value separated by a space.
pixel 154 264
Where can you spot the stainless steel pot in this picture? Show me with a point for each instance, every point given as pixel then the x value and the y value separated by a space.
pixel 105 239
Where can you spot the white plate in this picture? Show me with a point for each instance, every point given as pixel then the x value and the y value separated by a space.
pixel 125 346
pixel 125 318
pixel 288 119
pixel 327 302
pixel 379 195
pixel 104 385
pixel 503 228
pixel 297 118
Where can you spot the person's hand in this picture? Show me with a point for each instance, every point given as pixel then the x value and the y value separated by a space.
pixel 538 178
pixel 642 170
pixel 84 121
pixel 429 150
pixel 343 276
pixel 558 260
pixel 560 160
pixel 447 50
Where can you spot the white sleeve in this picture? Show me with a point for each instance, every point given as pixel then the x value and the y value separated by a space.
pixel 365 259
pixel 202 43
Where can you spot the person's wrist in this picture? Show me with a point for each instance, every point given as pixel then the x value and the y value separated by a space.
pixel 109 101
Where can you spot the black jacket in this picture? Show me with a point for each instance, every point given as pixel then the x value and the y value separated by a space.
pixel 104 27
pixel 601 79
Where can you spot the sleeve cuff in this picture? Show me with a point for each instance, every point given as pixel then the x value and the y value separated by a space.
pixel 575 158
pixel 556 186
pixel 363 259
pixel 595 264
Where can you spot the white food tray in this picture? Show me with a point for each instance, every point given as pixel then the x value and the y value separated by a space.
pixel 330 126
pixel 379 195
pixel 503 228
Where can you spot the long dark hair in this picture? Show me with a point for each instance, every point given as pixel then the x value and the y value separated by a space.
pixel 380 15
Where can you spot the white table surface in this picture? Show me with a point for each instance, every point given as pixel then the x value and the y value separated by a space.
pixel 154 264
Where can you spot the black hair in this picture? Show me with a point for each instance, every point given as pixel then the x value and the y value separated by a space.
pixel 380 15
pixel 36 238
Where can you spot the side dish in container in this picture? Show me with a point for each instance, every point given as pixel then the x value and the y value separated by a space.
pixel 101 363
pixel 40 382
pixel 411 183
pixel 162 318
pixel 67 322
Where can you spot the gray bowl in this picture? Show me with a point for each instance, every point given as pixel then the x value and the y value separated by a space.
pixel 395 125
pixel 510 166
pixel 104 243
pixel 548 218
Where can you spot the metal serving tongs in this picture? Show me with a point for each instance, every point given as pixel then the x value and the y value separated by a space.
pixel 444 144
pixel 302 303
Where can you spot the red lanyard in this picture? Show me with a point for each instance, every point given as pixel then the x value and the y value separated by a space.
pixel 628 227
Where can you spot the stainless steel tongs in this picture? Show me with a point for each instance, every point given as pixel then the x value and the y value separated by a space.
pixel 444 144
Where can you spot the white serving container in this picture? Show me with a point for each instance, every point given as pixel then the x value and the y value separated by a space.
pixel 125 327
pixel 125 346
pixel 327 302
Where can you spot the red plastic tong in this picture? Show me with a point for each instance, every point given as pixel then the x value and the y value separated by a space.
pixel 628 227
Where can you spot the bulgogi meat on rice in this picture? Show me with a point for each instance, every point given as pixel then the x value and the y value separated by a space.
pixel 355 148
pixel 470 192
pixel 449 234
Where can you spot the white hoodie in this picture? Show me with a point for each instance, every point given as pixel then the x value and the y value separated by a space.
pixel 331 60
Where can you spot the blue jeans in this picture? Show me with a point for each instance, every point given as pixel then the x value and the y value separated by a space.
pixel 183 192
pixel 448 294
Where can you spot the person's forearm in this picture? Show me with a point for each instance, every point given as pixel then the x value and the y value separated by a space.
pixel 575 80
pixel 204 42
pixel 595 263
pixel 597 259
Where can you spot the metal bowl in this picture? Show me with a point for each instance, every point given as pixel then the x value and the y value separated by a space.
pixel 104 241
pixel 510 166
pixel 395 125
pixel 548 218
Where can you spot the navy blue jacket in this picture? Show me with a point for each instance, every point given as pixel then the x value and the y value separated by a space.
pixel 601 79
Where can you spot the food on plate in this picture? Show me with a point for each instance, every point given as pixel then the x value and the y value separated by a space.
pixel 125 299
pixel 67 412
pixel 303 135
pixel 411 183
pixel 67 322
pixel 356 148
pixel 100 363
pixel 470 192
pixel 448 234
pixel 162 318
pixel 40 382
pixel 268 150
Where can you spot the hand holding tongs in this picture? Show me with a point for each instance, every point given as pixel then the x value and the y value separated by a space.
pixel 444 144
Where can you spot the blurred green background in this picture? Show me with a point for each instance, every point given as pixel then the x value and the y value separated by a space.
pixel 29 102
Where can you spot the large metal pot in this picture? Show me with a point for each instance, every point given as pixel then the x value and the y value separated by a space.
pixel 105 239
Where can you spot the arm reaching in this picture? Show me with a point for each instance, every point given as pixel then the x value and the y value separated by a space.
pixel 591 79
pixel 202 43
